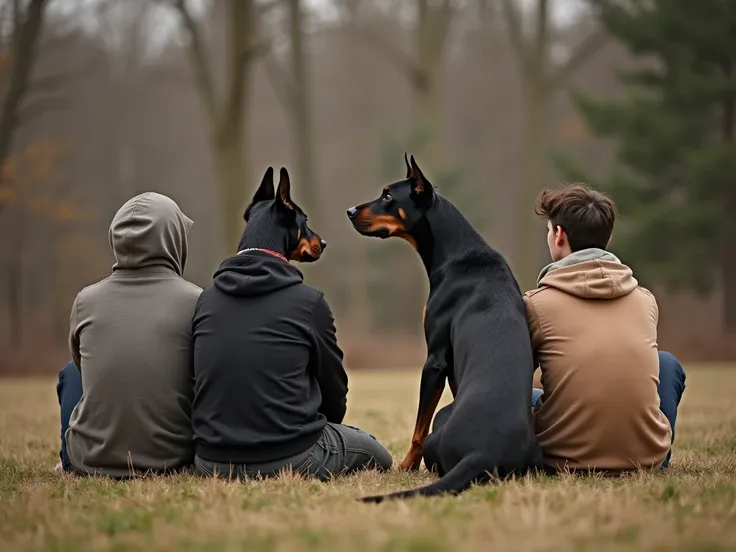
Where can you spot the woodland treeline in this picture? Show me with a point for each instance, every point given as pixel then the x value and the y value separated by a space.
pixel 103 99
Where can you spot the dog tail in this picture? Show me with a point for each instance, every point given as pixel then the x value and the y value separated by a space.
pixel 466 472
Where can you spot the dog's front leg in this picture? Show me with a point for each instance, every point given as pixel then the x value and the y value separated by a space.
pixel 430 392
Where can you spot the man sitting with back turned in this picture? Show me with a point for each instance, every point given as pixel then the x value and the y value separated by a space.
pixel 126 398
pixel 609 399
pixel 270 390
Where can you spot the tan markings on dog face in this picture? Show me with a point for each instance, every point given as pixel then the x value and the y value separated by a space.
pixel 310 247
pixel 402 213
pixel 395 227
pixel 314 244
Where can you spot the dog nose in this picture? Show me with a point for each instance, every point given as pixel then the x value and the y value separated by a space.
pixel 323 244
pixel 352 212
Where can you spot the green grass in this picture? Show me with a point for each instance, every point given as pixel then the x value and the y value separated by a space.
pixel 692 507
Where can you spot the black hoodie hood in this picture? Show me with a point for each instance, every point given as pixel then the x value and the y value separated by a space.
pixel 255 273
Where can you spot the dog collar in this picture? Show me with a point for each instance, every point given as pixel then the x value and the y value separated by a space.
pixel 274 253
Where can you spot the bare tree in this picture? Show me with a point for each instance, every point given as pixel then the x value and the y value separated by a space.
pixel 541 80
pixel 420 63
pixel 295 95
pixel 430 32
pixel 226 109
pixel 124 25
pixel 26 29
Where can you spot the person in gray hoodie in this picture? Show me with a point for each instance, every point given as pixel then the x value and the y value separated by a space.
pixel 131 382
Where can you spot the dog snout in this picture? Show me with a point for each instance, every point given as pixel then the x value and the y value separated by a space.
pixel 323 244
pixel 352 213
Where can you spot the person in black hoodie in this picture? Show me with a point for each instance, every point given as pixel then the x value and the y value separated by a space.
pixel 270 388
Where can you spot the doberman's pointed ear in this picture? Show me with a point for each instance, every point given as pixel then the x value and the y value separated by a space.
pixel 408 166
pixel 264 192
pixel 283 194
pixel 421 189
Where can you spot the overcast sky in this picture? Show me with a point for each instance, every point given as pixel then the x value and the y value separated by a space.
pixel 162 22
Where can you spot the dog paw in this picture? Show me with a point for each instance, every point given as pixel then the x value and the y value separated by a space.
pixel 409 464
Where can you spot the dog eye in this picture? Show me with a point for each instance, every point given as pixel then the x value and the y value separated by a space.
pixel 387 197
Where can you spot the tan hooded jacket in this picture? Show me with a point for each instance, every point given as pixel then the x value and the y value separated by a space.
pixel 131 338
pixel 594 334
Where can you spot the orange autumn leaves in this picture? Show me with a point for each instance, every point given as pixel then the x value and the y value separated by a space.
pixel 33 180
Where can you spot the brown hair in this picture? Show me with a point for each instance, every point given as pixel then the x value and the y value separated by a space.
pixel 585 215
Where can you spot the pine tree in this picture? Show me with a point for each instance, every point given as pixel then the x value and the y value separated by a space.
pixel 676 161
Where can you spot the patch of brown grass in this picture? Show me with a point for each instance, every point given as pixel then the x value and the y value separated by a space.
pixel 692 507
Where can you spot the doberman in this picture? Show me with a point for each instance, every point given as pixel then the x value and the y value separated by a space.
pixel 477 339
pixel 279 225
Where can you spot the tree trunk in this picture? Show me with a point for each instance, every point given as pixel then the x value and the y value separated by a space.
pixel 429 40
pixel 227 112
pixel 302 112
pixel 358 313
pixel 529 235
pixel 539 82
pixel 15 290
pixel 15 317
pixel 429 44
pixel 59 306
pixel 490 146
pixel 233 189
pixel 428 117
pixel 24 57
pixel 729 251
pixel 729 268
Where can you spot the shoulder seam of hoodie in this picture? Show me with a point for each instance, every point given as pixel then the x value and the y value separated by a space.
pixel 191 284
pixel 651 296
pixel 537 318
pixel 645 290
pixel 319 295
pixel 89 287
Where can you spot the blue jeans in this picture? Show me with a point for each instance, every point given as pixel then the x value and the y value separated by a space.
pixel 671 387
pixel 69 391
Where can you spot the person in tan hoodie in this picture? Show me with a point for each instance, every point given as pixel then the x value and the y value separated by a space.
pixel 609 399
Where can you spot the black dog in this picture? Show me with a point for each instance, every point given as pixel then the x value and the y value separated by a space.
pixel 284 228
pixel 477 338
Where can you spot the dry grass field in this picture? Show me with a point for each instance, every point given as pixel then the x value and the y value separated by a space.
pixel 693 507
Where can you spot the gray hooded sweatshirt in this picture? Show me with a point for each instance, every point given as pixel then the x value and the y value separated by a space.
pixel 130 336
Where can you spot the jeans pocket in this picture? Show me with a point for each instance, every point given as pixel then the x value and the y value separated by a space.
pixel 362 432
pixel 306 466
pixel 327 447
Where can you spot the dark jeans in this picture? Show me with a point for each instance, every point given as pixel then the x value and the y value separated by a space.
pixel 69 391
pixel 341 449
pixel 671 387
